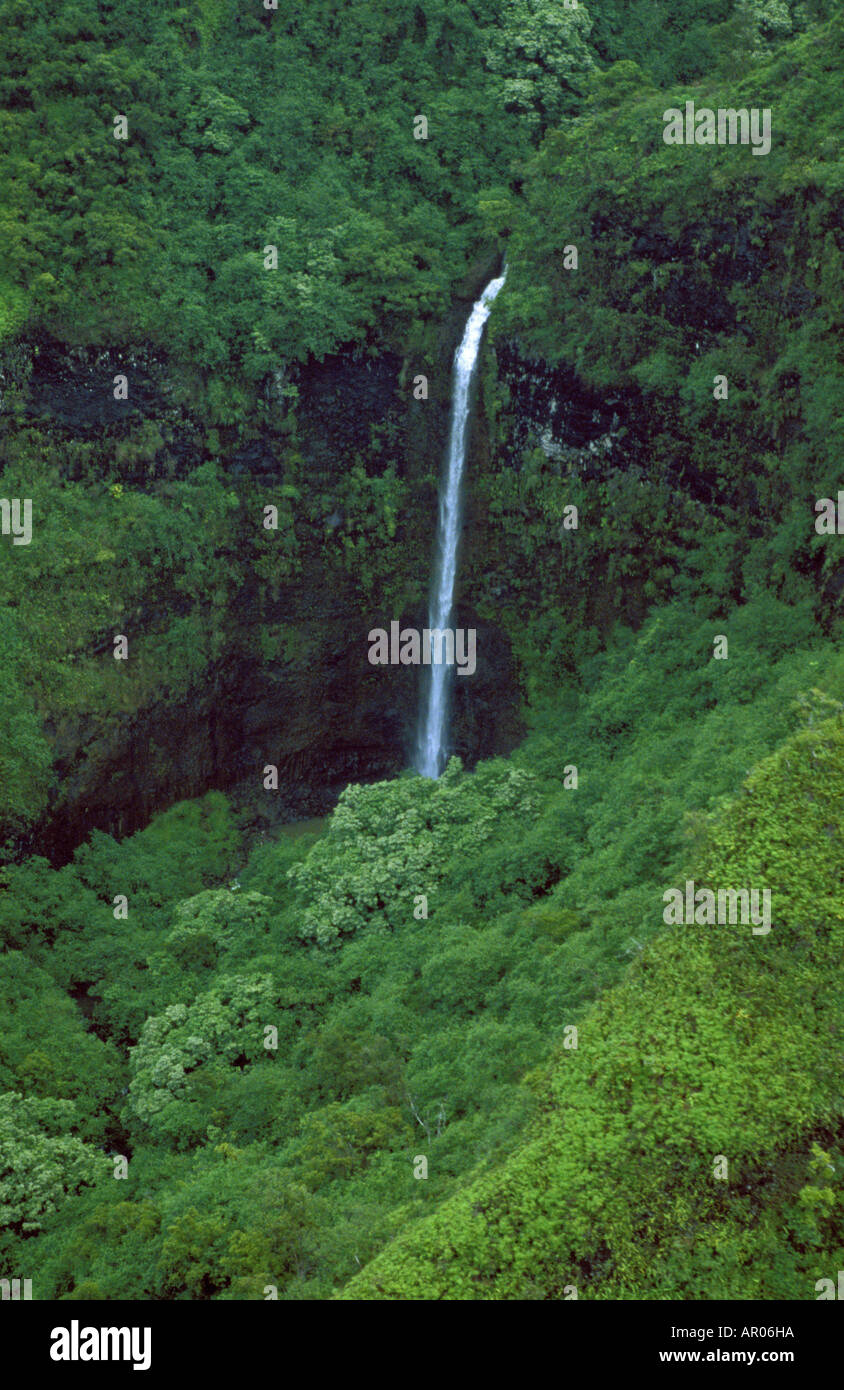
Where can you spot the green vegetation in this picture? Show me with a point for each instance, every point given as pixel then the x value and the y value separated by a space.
pixel 398 1035
pixel 273 1029
pixel 692 265
pixel 247 129
pixel 715 1046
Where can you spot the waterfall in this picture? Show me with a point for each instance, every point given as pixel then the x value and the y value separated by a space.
pixel 431 749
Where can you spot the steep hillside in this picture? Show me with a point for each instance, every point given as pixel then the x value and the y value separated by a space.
pixel 410 1027
pixel 689 1144
pixel 367 1034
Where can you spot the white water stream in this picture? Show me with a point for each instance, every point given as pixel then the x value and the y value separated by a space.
pixel 432 749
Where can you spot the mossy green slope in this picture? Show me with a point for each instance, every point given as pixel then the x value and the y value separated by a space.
pixel 719 1043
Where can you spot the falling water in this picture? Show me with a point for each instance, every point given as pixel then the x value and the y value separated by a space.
pixel 431 750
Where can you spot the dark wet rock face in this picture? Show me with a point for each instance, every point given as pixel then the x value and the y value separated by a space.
pixel 341 400
pixel 551 404
pixel 324 718
pixel 74 389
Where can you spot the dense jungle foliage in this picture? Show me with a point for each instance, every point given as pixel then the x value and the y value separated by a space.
pixel 226 1049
